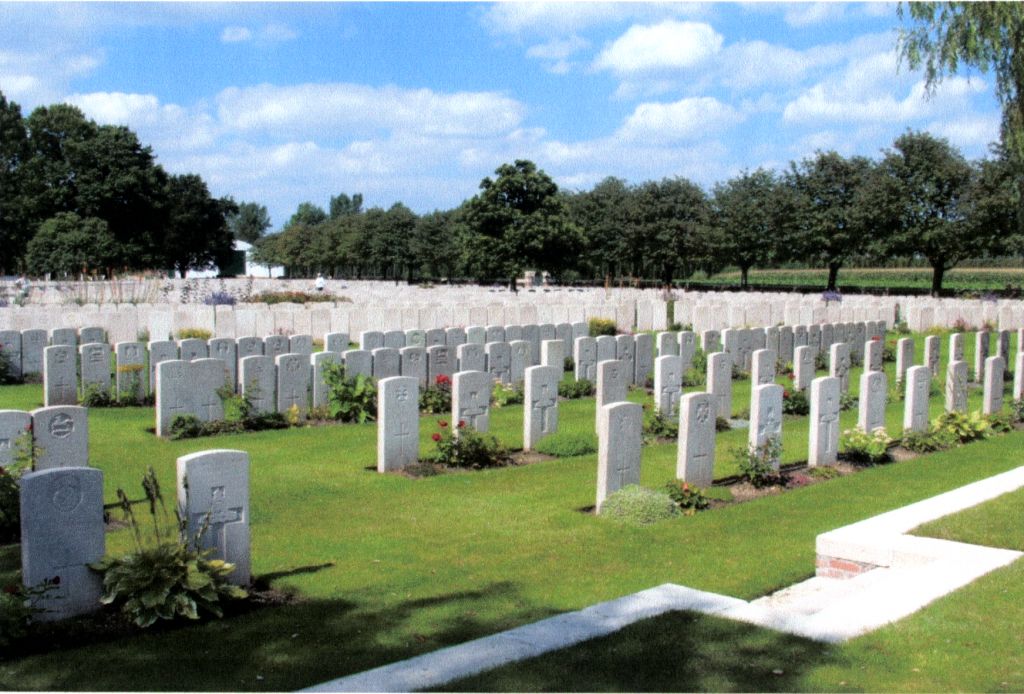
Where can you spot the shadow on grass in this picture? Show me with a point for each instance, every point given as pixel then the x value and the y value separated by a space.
pixel 263 581
pixel 679 651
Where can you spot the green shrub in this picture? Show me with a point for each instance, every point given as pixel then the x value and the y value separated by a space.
pixel 795 402
pixel 821 360
pixel 506 395
pixel 569 364
pixel 95 396
pixel 467 448
pixel 1001 422
pixel 574 390
pixel 823 472
pixel 964 427
pixel 1017 410
pixel 199 333
pixel 859 446
pixel 17 609
pixel 847 402
pixel 639 506
pixel 758 464
pixel 688 499
pixel 437 398
pixel 10 491
pixel 928 441
pixel 6 370
pixel 185 426
pixel 295 298
pixel 566 445
pixel 350 399
pixel 722 424
pixel 659 426
pixel 602 326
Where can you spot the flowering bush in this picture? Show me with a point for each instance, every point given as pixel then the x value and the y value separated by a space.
pixel 758 464
pixel 507 394
pixel 688 499
pixel 795 401
pixel 219 299
pixel 466 448
pixel 437 398
pixel 831 295
pixel 859 446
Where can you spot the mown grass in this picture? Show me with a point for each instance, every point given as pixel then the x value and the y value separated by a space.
pixel 388 567
pixel 996 523
pixel 957 279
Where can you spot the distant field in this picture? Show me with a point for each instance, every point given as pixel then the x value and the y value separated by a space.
pixel 966 279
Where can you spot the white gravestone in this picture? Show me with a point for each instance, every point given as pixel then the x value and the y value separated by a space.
pixel 710 341
pixel 531 335
pixel 695 462
pixel 612 382
pixel 494 333
pixel 499 361
pixel 471 357
pixel 719 383
pixel 871 405
pixel 605 345
pixel 95 358
pixel 370 340
pixel 803 367
pixel 414 364
pixel 956 347
pixel 160 350
pixel 207 376
pixel 336 342
pixel 668 384
pixel 61 435
pixel 226 349
pixel 453 337
pixel 563 332
pixel 258 382
pixel 91 334
pixel 992 395
pixel 839 365
pixel 398 423
pixel 435 337
pixel 293 383
pixel 625 351
pixel 476 335
pixel 1003 345
pixel 762 367
pixel 580 329
pixel 439 363
pixel 552 353
pixel 931 354
pixel 131 371
pixel 823 445
pixel 765 416
pixel 584 355
pixel 64 336
pixel 387 363
pixel 297 344
pixel 394 339
pixel 687 348
pixel 540 413
pixel 619 427
pixel 904 357
pixel 318 361
pixel 357 361
pixel 1018 376
pixel 193 348
pixel 33 342
pixel 873 355
pixel 10 344
pixel 248 347
pixel 60 375
pixel 668 344
pixel 173 393
pixel 513 333
pixel 956 386
pixel 62 532
pixel 644 358
pixel 915 410
pixel 786 343
pixel 213 494
pixel 471 399
pixel 275 345
pixel 14 424
pixel 520 350
pixel 416 338
pixel 980 354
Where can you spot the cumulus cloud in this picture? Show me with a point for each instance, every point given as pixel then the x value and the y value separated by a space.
pixel 169 128
pixel 681 120
pixel 235 34
pixel 556 53
pixel 557 18
pixel 670 45
pixel 803 14
pixel 34 79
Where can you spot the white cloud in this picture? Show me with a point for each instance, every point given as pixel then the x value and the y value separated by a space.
pixel 558 18
pixel 271 33
pixel 235 34
pixel 337 109
pixel 34 79
pixel 670 45
pixel 802 14
pixel 276 33
pixel 555 53
pixel 682 120
pixel 169 128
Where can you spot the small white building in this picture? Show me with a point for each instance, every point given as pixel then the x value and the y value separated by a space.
pixel 243 252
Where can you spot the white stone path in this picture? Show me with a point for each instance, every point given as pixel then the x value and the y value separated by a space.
pixel 912 572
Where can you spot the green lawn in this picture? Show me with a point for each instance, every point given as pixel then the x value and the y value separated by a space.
pixel 389 567
pixel 957 279
pixel 996 523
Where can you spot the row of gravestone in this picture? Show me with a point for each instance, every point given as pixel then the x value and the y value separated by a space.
pixel 23 349
pixel 62 525
pixel 45 438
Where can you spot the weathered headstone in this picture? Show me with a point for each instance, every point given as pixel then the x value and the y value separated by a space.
pixel 414 364
pixel 226 349
pixel 695 461
pixel 439 363
pixel 394 339
pixel 471 357
pixel 605 347
pixel 10 345
pixel 61 436
pixel 14 425
pixel 823 446
pixel 416 338
pixel 207 379
pixel 33 342
pixel 956 347
pixel 520 350
pixel 904 357
pixel 839 365
pixel 915 410
pixel 956 386
pixel 580 329
pixel 871 405
pixel 471 399
pixel 719 382
pixel 513 333
pixel 687 348
pixel 1018 376
pixel 62 532
pixel 873 355
pixel 762 367
pixel 1003 345
pixel 131 371
pixel 248 347
pixel 91 334
pixel 494 333
pixel 95 358
pixel 786 343
pixel 710 341
pixel 174 395
pixel 765 417
pixel 931 354
pixel 320 389
pixel 552 354
pixel 387 363
pixel 814 338
pixel 771 338
pixel 293 383
pixel 213 498
pixel 297 344
pixel 436 337
pixel 619 438
pixel 980 354
pixel 531 335
pixel 668 384
pixel 799 336
pixel 612 382
pixel 584 355
pixel 453 337
pixel 803 367
pixel 193 348
pixel 668 344
pixel 357 361
pixel 860 334
pixel 498 357
pixel 64 336
pixel 625 351
pixel 476 335
pixel 60 375
pixel 644 363
pixel 540 411
pixel 257 376
pixel 370 340
pixel 398 422
pixel 992 394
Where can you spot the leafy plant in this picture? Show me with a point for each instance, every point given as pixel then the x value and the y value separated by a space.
pixel 795 402
pixel 965 427
pixel 198 333
pixel 602 326
pixel 1001 422
pixel 95 396
pixel 437 398
pixel 639 506
pixel 823 472
pixel 467 448
pixel 569 364
pixel 573 390
pixel 507 394
pixel 185 426
pixel 928 441
pixel 131 384
pixel 757 464
pixel 10 489
pixel 659 426
pixel 859 446
pixel 821 360
pixel 847 402
pixel 295 297
pixel 1017 410
pixel 17 609
pixel 722 424
pixel 688 499
pixel 566 445
pixel 350 399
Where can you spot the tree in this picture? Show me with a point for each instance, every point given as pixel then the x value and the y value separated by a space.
pixel 919 199
pixel 518 221
pixel 751 213
pixel 67 244
pixel 343 206
pixel 602 215
pixel 196 232
pixel 670 220
pixel 308 214
pixel 250 222
pixel 15 229
pixel 436 243
pixel 833 220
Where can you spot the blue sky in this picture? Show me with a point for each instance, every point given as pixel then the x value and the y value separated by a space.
pixel 281 103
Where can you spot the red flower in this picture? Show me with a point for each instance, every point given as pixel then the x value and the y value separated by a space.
pixel 436 437
pixel 785 393
pixel 442 380
pixel 461 423
pixel 441 423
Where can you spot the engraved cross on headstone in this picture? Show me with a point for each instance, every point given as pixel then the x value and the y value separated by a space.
pixel 544 404
pixel 219 517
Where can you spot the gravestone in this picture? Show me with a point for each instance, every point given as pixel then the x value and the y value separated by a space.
pixel 668 384
pixel 687 348
pixel 992 395
pixel 207 377
pixel 668 344
pixel 771 338
pixel 416 338
pixel 531 335
pixel 612 382
pixel 1003 346
pixel 956 347
pixel 625 351
pixel 931 354
pixel 193 348
pixel 453 337
pixel 91 334
pixel 710 341
pixel 213 498
pixel 619 438
pixel 370 340
pixel 387 363
pixel 580 329
pixel 297 344
pixel 471 399
pixel 980 354
pixel 823 447
pixel 731 342
pixel 439 363
pixel 584 355
pixel 476 335
pixel 644 363
pixel 320 389
pixel 494 333
pixel 803 368
pixel 60 375
pixel 414 364
pixel 871 405
pixel 435 337
pixel 719 383
pixel 357 361
pixel 95 358
pixel 839 365
pixel 552 354
pixel 1018 376
pixel 131 371
pixel 14 425
pixel 762 367
pixel 62 533
pixel 563 332
pixel 293 383
pixel 498 356
pixel 61 435
pixel 956 386
pixel 695 462
pixel 226 349
pixel 398 422
pixel 394 339
pixel 275 345
pixel 540 411
pixel 173 393
pixel 799 336
pixel 915 410
pixel 873 355
pixel 814 338
pixel 333 342
pixel 860 336
pixel 520 351
pixel 765 416
pixel 546 331
pixel 513 333
pixel 10 345
pixel 248 347
pixel 257 377
pixel 471 357
pixel 64 336
pixel 904 357
pixel 828 336
pixel 33 342
pixel 786 343
pixel 605 347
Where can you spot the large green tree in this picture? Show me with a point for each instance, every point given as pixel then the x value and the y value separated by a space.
pixel 250 222
pixel 602 215
pixel 752 215
pixel 520 221
pixel 67 245
pixel 670 222
pixel 196 233
pixel 342 205
pixel 833 220
pixel 15 226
